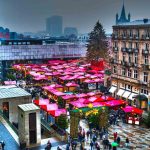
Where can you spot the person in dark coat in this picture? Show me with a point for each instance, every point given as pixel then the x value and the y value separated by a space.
pixel 49 146
pixel 3 144
pixel 91 145
pixel 118 140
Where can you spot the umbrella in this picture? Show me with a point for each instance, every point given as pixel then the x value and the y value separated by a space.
pixel 141 97
pixel 114 144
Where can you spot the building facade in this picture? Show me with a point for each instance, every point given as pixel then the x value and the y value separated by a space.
pixel 10 98
pixel 131 62
pixel 36 51
pixel 70 31
pixel 54 26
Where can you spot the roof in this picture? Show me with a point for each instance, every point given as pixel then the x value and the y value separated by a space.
pixel 28 107
pixel 135 22
pixel 12 91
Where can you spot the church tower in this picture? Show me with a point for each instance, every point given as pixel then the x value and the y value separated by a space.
pixel 123 18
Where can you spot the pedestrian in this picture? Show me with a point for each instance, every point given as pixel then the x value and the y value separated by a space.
pixel 110 147
pixel 101 135
pixel 49 145
pixel 91 145
pixel 115 136
pixel 94 138
pixel 118 140
pixel 58 148
pixel 87 135
pixel 127 142
pixel 83 134
pixel 3 144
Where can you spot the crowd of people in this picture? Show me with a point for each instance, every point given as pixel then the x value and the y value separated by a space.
pixel 97 139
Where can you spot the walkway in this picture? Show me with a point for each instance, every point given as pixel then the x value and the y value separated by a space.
pixel 10 143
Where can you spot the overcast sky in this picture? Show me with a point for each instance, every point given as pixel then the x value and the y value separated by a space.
pixel 30 15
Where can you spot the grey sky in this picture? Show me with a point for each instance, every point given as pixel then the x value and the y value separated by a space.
pixel 30 15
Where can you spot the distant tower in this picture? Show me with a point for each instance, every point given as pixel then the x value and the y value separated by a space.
pixel 54 26
pixel 129 17
pixel 117 17
pixel 123 18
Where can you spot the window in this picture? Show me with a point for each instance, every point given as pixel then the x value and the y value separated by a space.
pixel 137 45
pixel 144 91
pixel 124 33
pixel 124 44
pixel 123 71
pixel 128 87
pixel 130 44
pixel 115 56
pixel 114 69
pixel 146 46
pixel 135 74
pixel 146 59
pixel 116 44
pixel 129 73
pixel 124 57
pixel 131 33
pixel 145 77
pixel 130 58
pixel 135 58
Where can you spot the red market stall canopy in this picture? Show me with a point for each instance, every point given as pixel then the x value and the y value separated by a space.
pixel 78 104
pixel 41 102
pixel 49 107
pixel 68 96
pixel 58 112
pixel 97 65
pixel 131 109
pixel 71 84
pixel 56 62
pixel 113 103
pixel 10 82
pixel 104 98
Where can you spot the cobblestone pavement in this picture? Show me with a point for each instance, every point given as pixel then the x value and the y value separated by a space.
pixel 139 138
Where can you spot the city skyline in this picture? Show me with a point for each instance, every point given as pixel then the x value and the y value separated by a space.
pixel 30 15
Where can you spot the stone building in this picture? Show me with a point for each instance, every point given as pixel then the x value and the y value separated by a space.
pixel 10 98
pixel 29 125
pixel 131 61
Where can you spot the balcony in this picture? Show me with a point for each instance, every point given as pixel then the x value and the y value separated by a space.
pixel 135 50
pixel 130 64
pixel 145 37
pixel 114 36
pixel 136 36
pixel 146 66
pixel 113 61
pixel 115 49
pixel 129 50
pixel 145 51
pixel 124 63
pixel 142 82
pixel 131 37
pixel 125 78
pixel 135 65
pixel 123 49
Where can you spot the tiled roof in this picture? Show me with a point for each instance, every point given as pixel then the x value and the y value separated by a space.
pixel 12 91
pixel 135 22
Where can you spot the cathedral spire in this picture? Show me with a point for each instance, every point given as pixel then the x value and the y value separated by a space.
pixel 123 17
pixel 123 13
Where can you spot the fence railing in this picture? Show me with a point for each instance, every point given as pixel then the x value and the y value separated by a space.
pixel 8 122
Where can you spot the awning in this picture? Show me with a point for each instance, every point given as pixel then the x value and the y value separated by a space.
pixel 132 95
pixel 112 89
pixel 141 97
pixel 126 94
pixel 120 92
